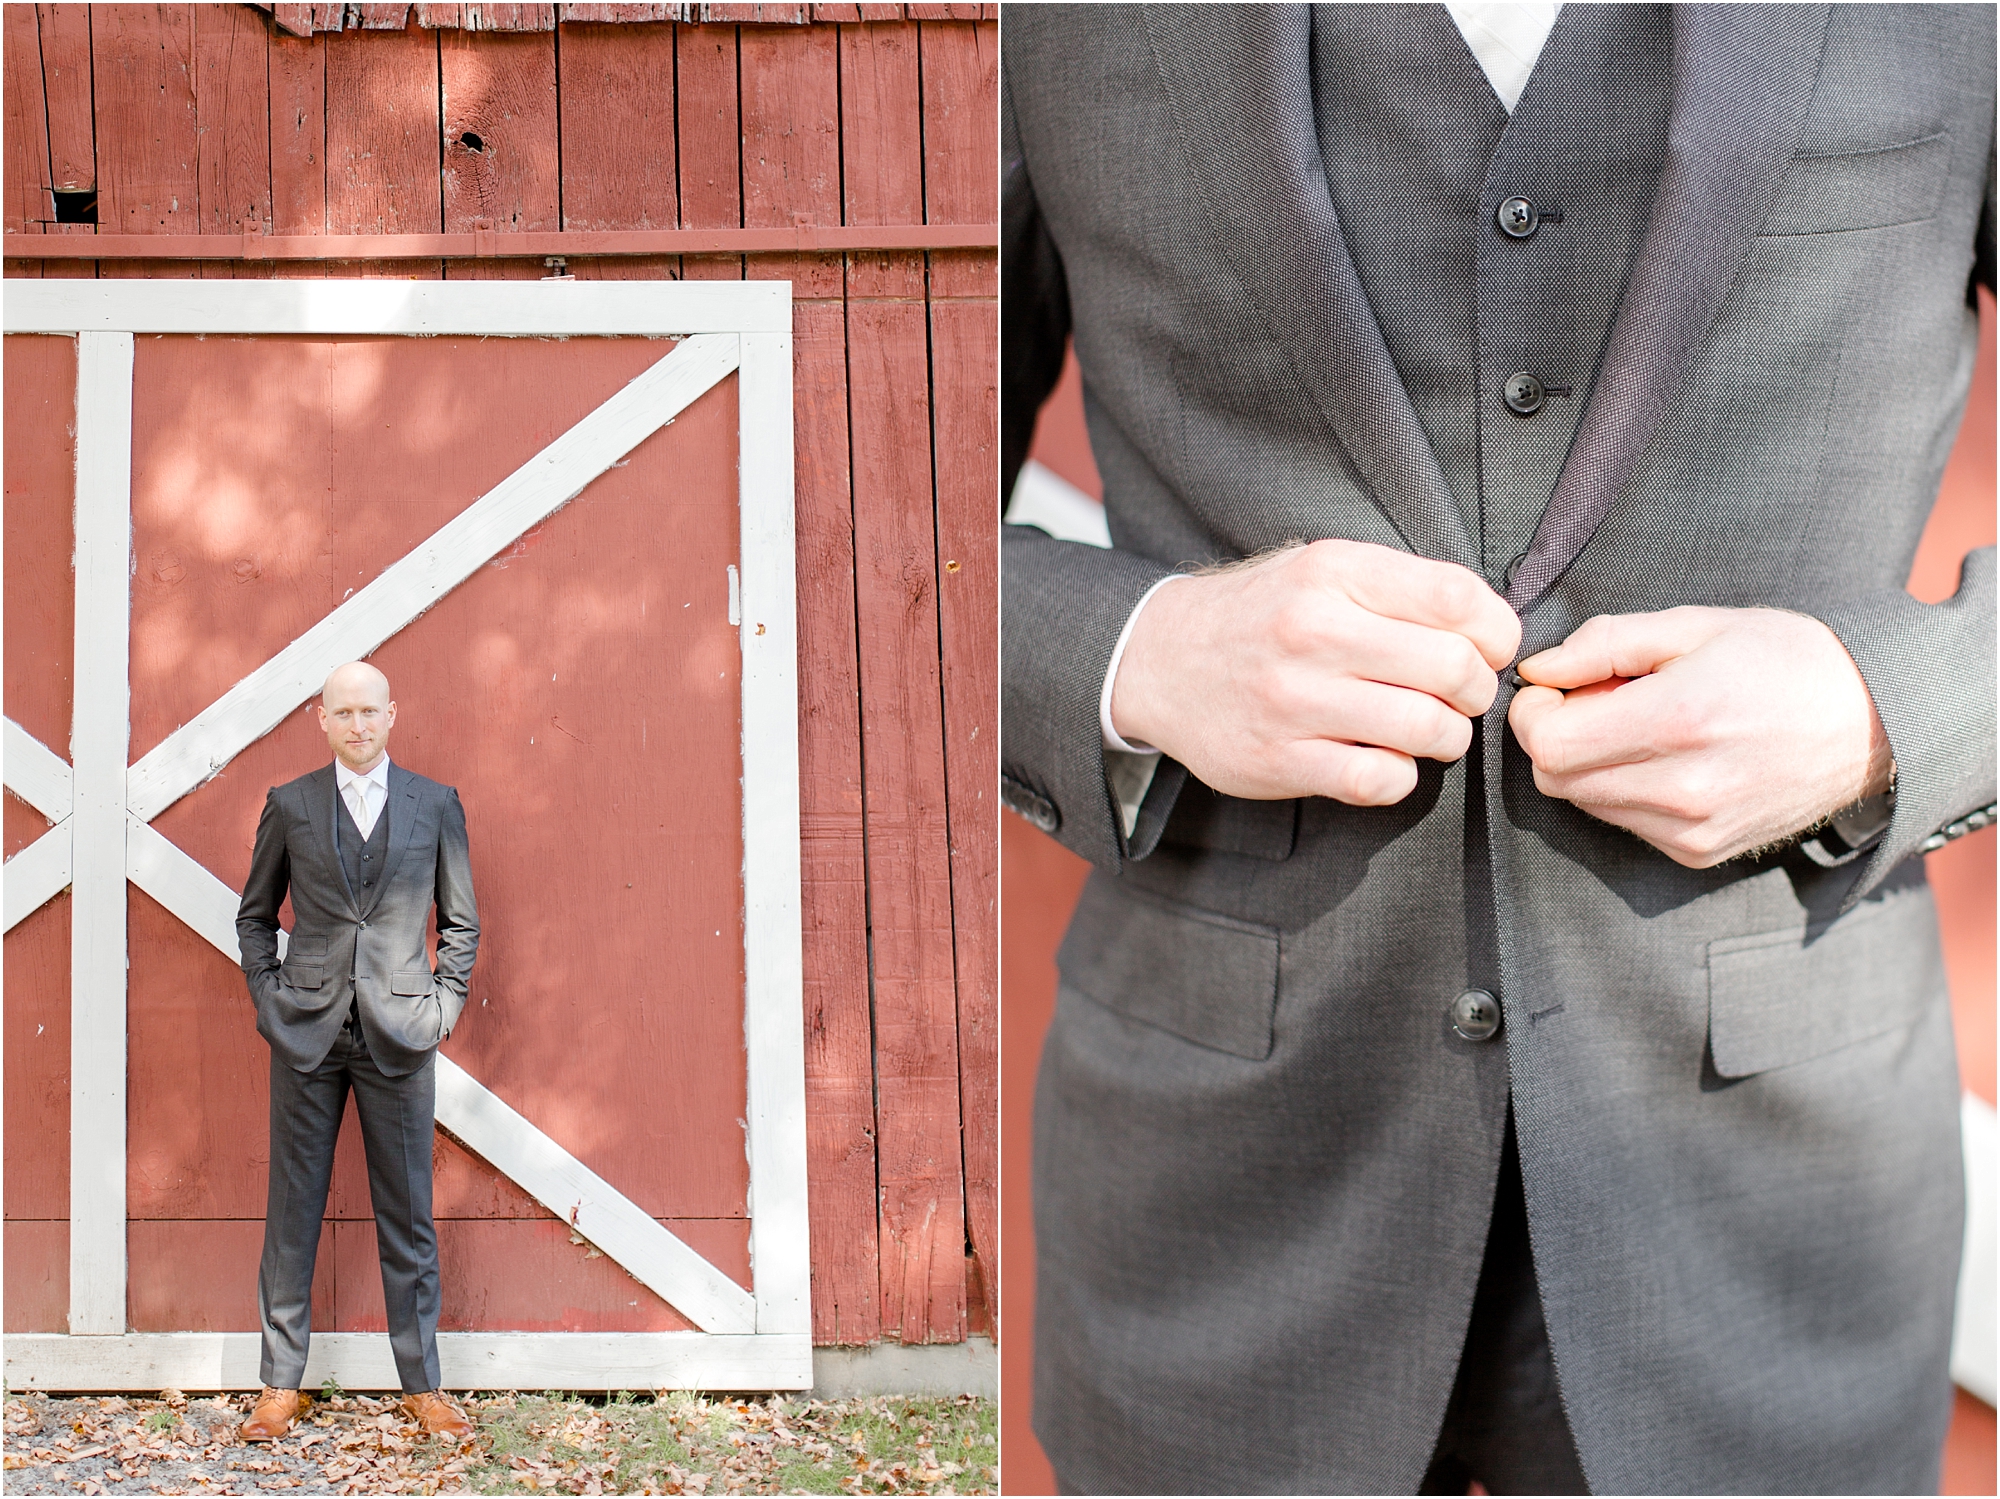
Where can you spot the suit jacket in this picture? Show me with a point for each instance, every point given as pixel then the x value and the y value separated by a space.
pixel 343 951
pixel 1264 1161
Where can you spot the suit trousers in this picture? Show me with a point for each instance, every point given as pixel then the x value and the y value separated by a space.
pixel 1504 1426
pixel 397 1124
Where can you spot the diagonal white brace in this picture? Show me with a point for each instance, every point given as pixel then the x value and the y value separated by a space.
pixel 589 1204
pixel 488 1126
pixel 404 590
pixel 37 874
pixel 36 773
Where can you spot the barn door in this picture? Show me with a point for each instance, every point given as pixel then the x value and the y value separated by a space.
pixel 559 516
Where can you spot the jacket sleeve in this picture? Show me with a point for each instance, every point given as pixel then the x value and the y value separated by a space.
pixel 1064 603
pixel 457 912
pixel 263 893
pixel 1930 669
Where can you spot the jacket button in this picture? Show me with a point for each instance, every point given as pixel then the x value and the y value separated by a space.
pixel 1518 218
pixel 1475 1015
pixel 1524 394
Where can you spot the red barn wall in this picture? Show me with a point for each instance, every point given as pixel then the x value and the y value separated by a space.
pixel 210 119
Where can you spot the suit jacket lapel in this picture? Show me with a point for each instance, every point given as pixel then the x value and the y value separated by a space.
pixel 322 807
pixel 1239 81
pixel 1743 79
pixel 401 810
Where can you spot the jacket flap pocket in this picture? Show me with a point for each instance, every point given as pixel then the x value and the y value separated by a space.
pixel 1863 190
pixel 418 982
pixel 1776 999
pixel 1207 978
pixel 303 975
pixel 1204 818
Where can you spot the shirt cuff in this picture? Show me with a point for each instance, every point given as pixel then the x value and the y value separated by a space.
pixel 1112 741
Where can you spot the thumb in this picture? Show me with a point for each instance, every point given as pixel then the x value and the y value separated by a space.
pixel 1620 645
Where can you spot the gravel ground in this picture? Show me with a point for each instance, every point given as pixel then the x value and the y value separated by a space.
pixel 672 1442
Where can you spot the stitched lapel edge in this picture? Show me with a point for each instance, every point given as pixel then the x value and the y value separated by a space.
pixel 400 807
pixel 1235 71
pixel 322 806
pixel 1744 78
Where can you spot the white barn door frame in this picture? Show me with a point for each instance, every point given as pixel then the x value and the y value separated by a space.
pixel 102 811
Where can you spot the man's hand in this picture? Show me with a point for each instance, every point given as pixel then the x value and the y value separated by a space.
pixel 1707 732
pixel 1323 670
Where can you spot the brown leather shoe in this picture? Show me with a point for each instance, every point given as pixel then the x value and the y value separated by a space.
pixel 276 1411
pixel 435 1412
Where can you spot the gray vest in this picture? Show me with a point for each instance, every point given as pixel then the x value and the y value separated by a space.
pixel 1420 157
pixel 361 859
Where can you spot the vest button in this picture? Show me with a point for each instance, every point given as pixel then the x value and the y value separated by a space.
pixel 1518 218
pixel 1475 1015
pixel 1524 394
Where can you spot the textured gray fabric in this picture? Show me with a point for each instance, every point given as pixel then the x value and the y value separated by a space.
pixel 1255 1272
pixel 368 947
pixel 398 1124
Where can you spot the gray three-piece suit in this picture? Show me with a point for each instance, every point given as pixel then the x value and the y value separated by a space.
pixel 355 1005
pixel 1265 1161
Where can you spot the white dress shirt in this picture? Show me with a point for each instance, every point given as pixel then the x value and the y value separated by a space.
pixel 1506 39
pixel 365 796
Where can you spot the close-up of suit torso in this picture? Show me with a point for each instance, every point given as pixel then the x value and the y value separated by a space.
pixel 1692 323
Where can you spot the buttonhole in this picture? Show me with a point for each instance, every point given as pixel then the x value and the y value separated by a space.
pixel 1536 1017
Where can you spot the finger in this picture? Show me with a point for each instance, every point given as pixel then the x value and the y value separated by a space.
pixel 1620 645
pixel 1359 775
pixel 1564 735
pixel 1411 723
pixel 1440 663
pixel 1691 845
pixel 1421 591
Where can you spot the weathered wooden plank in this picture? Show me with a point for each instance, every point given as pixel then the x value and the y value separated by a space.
pixel 233 119
pixel 909 877
pixel 27 202
pixel 293 20
pixel 963 10
pixel 65 33
pixel 618 167
pixel 882 12
pixel 836 13
pixel 619 13
pixel 840 1071
pixel 507 17
pixel 710 142
pixel 440 16
pixel 382 133
pixel 142 66
pixel 881 158
pixel 756 15
pixel 37 1291
pixel 791 146
pixel 961 66
pixel 965 353
pixel 329 17
pixel 384 17
pixel 297 91
pixel 500 158
pixel 470 1361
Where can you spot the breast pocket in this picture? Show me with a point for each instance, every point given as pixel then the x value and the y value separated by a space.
pixel 1776 999
pixel 1208 978
pixel 1861 189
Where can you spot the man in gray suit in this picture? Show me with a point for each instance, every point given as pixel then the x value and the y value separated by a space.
pixel 1504 1037
pixel 366 850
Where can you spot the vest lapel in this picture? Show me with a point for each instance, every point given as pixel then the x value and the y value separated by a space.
pixel 400 807
pixel 1743 79
pixel 1239 83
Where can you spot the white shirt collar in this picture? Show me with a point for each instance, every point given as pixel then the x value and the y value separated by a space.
pixel 379 776
pixel 1506 38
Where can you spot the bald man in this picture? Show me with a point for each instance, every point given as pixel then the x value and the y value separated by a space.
pixel 365 849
